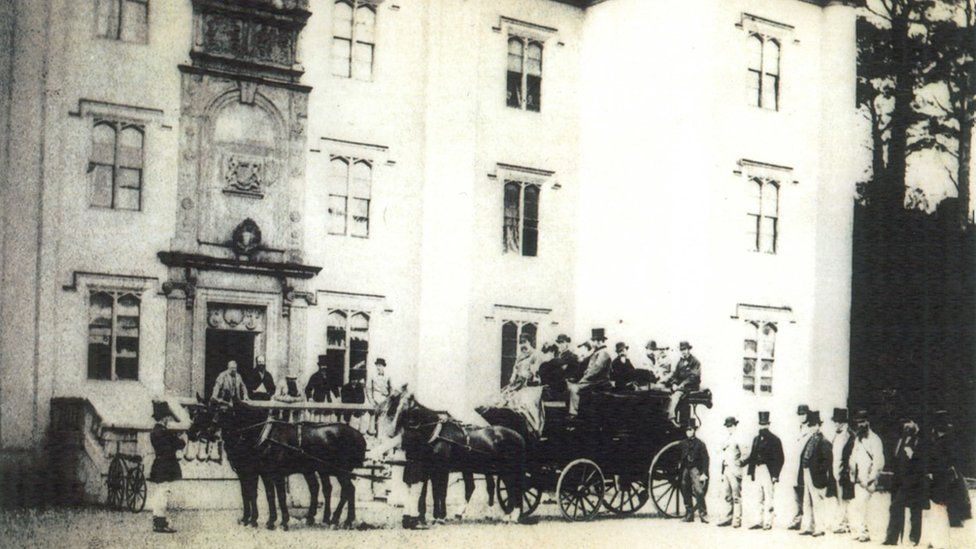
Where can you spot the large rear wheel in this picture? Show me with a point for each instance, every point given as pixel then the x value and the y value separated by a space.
pixel 625 494
pixel 580 490
pixel 664 480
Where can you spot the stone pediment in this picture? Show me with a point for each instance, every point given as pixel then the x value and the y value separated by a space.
pixel 274 269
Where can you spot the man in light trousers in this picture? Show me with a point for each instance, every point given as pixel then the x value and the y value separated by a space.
pixel 765 462
pixel 732 475
pixel 867 461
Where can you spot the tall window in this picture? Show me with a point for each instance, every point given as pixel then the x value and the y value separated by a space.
pixel 764 54
pixel 524 83
pixel 347 345
pixel 115 165
pixel 759 356
pixel 350 181
pixel 124 20
pixel 521 224
pixel 353 39
pixel 512 332
pixel 763 215
pixel 113 335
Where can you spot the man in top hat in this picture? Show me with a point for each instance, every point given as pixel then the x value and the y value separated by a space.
pixel 686 378
pixel 597 374
pixel 229 387
pixel 908 485
pixel 948 493
pixel 262 387
pixel 621 369
pixel 866 463
pixel 765 462
pixel 818 476
pixel 798 489
pixel 693 472
pixel 843 444
pixel 165 468
pixel 732 475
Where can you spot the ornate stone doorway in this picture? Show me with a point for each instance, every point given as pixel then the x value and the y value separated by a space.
pixel 234 332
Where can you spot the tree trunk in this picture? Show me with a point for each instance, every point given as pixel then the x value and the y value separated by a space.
pixel 901 117
pixel 965 159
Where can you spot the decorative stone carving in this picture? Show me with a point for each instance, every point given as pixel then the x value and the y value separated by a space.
pixel 289 294
pixel 248 174
pixel 236 317
pixel 182 289
pixel 246 238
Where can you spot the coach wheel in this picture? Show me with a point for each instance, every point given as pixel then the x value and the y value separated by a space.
pixel 530 497
pixel 580 490
pixel 136 484
pixel 665 482
pixel 115 482
pixel 625 494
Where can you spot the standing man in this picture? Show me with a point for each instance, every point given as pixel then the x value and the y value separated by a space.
pixel 798 489
pixel 380 386
pixel 950 498
pixel 597 374
pixel 908 486
pixel 867 461
pixel 262 386
pixel 818 476
pixel 165 467
pixel 732 475
pixel 686 378
pixel 765 463
pixel 693 472
pixel 842 446
pixel 319 388
pixel 621 369
pixel 229 387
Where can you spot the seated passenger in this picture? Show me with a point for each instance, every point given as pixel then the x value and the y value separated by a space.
pixel 597 374
pixel 526 369
pixel 622 371
pixel 686 378
pixel 554 373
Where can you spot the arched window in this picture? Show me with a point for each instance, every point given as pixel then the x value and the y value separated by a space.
pixel 520 227
pixel 763 67
pixel 512 332
pixel 115 165
pixel 524 80
pixel 347 345
pixel 750 355
pixel 353 39
pixel 755 56
pixel 762 215
pixel 338 195
pixel 767 356
pixel 350 183
pixel 360 182
pixel 358 346
pixel 759 355
pixel 113 335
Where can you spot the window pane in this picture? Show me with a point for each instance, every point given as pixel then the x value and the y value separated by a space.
pixel 341 55
pixel 530 221
pixel 107 24
pixel 342 20
pixel 752 232
pixel 362 175
pixel 749 374
pixel 510 233
pixel 770 199
pixel 771 57
pixel 755 52
pixel 103 143
pixel 513 90
pixel 130 147
pixel 335 333
pixel 770 92
pixel 100 336
pixel 358 343
pixel 768 347
pixel 100 178
pixel 515 50
pixel 134 27
pixel 767 235
pixel 533 98
pixel 338 176
pixel 754 198
pixel 362 61
pixel 509 346
pixel 337 214
pixel 753 82
pixel 365 23
pixel 534 59
pixel 359 217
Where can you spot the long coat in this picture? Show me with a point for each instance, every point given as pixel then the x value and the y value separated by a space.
pixel 597 370
pixel 687 374
pixel 165 443
pixel 820 463
pixel 766 450
pixel 948 486
pixel 694 455
pixel 908 481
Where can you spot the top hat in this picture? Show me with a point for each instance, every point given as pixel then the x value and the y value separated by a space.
pixel 692 423
pixel 620 346
pixel 684 346
pixel 763 418
pixel 813 418
pixel 161 410
pixel 381 362
pixel 562 338
pixel 802 410
pixel 598 334
pixel 861 415
pixel 322 360
pixel 840 415
pixel 730 421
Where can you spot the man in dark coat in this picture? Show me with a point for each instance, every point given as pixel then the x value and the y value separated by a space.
pixel 685 379
pixel 597 374
pixel 948 494
pixel 165 468
pixel 798 490
pixel 693 472
pixel 261 386
pixel 554 373
pixel 908 486
pixel 621 369
pixel 319 387
pixel 816 467
pixel 764 464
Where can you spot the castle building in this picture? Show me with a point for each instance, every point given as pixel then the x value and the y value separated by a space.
pixel 188 182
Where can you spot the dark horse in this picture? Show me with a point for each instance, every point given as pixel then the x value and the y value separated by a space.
pixel 456 447
pixel 257 446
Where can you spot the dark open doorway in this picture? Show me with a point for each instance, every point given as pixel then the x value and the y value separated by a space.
pixel 224 346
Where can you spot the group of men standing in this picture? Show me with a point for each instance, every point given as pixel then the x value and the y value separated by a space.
pixel 845 469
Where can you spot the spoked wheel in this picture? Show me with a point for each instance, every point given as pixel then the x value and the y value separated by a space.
pixel 115 482
pixel 580 490
pixel 665 482
pixel 136 490
pixel 530 496
pixel 625 494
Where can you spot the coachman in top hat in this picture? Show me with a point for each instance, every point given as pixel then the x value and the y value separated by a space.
pixel 165 468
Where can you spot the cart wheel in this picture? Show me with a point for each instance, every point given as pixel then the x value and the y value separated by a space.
pixel 115 482
pixel 136 493
pixel 531 496
pixel 580 490
pixel 665 482
pixel 625 494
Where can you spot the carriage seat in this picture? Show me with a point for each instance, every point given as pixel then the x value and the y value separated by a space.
pixel 633 410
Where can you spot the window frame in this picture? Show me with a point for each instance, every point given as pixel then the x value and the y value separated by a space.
pixel 758 327
pixel 760 214
pixel 118 126
pixel 353 40
pixel 520 225
pixel 526 43
pixel 118 20
pixel 350 162
pixel 763 70
pixel 519 331
pixel 348 314
pixel 116 295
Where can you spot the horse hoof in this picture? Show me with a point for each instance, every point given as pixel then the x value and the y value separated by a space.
pixel 270 526
pixel 284 526
pixel 254 524
pixel 310 520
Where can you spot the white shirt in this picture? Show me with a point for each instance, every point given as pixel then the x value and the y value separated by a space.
pixel 867 458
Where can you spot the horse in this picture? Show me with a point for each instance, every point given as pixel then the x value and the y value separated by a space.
pixel 259 446
pixel 456 447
